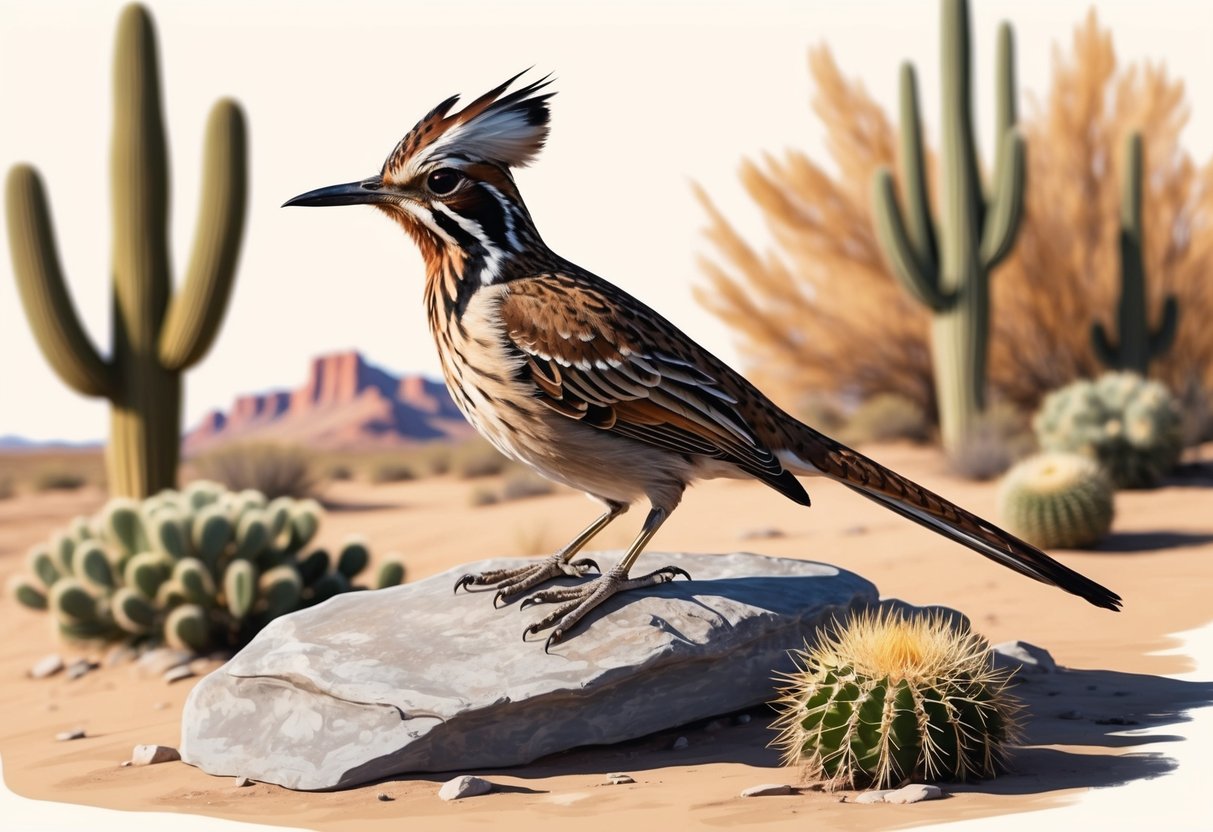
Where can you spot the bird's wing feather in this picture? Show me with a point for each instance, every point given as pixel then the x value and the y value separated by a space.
pixel 591 361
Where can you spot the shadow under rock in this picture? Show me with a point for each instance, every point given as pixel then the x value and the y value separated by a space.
pixel 1191 475
pixel 1151 541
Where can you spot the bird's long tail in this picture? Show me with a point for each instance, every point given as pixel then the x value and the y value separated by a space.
pixel 810 452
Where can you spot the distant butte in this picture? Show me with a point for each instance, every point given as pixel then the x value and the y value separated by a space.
pixel 346 403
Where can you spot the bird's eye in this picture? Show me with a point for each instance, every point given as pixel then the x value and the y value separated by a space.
pixel 443 180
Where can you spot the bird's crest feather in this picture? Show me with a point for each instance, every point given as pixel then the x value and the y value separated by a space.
pixel 508 130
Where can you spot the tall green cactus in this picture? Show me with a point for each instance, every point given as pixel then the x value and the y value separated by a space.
pixel 156 334
pixel 948 268
pixel 1138 345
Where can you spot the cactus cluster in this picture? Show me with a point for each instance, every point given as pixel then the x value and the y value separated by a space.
pixel 884 699
pixel 1130 426
pixel 1057 500
pixel 203 568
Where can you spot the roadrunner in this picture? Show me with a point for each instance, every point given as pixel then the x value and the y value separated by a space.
pixel 572 376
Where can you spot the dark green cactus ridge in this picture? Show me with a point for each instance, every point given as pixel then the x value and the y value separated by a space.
pixel 946 265
pixel 943 716
pixel 156 334
pixel 201 569
pixel 1138 346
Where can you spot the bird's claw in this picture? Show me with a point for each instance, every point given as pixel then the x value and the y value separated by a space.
pixel 464 582
pixel 580 567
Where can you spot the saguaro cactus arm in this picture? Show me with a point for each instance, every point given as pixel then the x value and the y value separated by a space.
pixel 1004 204
pixel 44 293
pixel 1136 345
pixel 196 311
pixel 899 248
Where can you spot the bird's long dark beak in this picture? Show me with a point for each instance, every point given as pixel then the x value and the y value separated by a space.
pixel 366 192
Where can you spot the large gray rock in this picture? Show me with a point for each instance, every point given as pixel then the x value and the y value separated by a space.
pixel 414 678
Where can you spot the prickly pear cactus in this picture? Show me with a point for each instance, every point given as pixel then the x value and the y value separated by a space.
pixel 1057 500
pixel 1130 426
pixel 883 699
pixel 202 569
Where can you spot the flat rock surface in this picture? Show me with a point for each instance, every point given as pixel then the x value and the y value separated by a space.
pixel 414 678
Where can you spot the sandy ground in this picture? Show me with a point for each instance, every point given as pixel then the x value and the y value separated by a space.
pixel 1160 559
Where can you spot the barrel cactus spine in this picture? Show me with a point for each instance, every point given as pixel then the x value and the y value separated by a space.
pixel 883 699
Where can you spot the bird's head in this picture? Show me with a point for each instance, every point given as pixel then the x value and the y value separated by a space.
pixel 448 181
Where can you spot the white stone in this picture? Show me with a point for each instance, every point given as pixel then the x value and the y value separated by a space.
pixel 64 736
pixel 439 681
pixel 1024 657
pixel 874 796
pixel 914 793
pixel 465 786
pixel 766 790
pixel 150 755
pixel 176 674
pixel 618 778
pixel 47 666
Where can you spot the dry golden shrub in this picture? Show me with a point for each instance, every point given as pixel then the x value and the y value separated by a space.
pixel 821 313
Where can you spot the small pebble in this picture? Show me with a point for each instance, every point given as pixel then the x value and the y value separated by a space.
pixel 1023 656
pixel 742 719
pixel 714 726
pixel 119 654
pixel 243 782
pixel 761 533
pixel 681 744
pixel 150 755
pixel 46 666
pixel 156 662
pixel 125 764
pixel 766 790
pixel 384 797
pixel 913 794
pixel 464 786
pixel 176 674
pixel 618 778
pixel 64 736
pixel 853 530
pixel 1070 715
pixel 874 796
pixel 80 667
pixel 160 706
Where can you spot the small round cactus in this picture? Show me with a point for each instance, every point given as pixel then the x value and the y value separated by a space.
pixel 1057 500
pixel 1130 426
pixel 203 568
pixel 884 699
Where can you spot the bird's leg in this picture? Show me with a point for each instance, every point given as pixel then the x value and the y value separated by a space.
pixel 576 601
pixel 521 578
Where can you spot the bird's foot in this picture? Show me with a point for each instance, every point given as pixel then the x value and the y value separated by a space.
pixel 576 601
pixel 510 582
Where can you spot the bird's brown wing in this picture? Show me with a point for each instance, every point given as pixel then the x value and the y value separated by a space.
pixel 613 366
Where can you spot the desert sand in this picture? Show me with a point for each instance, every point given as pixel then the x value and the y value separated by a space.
pixel 1160 558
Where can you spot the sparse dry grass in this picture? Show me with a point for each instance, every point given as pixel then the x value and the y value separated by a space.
pixel 274 470
pixel 25 470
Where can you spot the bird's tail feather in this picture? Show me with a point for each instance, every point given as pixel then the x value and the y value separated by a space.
pixel 814 453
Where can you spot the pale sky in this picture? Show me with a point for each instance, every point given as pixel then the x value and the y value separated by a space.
pixel 652 96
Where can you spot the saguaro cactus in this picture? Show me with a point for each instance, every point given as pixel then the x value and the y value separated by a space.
pixel 946 265
pixel 156 334
pixel 1138 345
